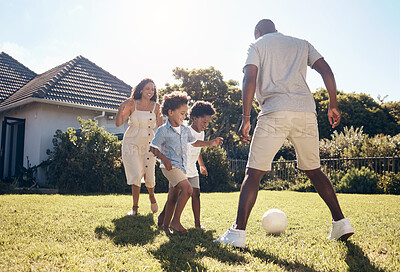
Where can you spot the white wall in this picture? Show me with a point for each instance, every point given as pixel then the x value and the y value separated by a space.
pixel 41 122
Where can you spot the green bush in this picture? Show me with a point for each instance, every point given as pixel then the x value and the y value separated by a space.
pixel 389 183
pixel 335 176
pixel 87 161
pixel 381 146
pixel 162 183
pixel 238 177
pixel 219 178
pixel 236 151
pixel 6 187
pixel 296 180
pixel 304 185
pixel 361 181
pixel 345 144
pixel 268 182
pixel 286 151
pixel 353 142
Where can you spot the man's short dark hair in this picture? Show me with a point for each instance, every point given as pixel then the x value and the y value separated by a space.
pixel 201 108
pixel 266 26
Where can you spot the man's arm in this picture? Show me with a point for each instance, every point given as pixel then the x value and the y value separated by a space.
pixel 249 89
pixel 322 67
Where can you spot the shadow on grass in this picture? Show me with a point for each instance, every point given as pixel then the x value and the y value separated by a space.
pixel 187 251
pixel 134 230
pixel 357 261
pixel 270 258
pixel 184 252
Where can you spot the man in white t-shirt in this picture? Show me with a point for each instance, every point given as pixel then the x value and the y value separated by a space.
pixel 200 114
pixel 275 72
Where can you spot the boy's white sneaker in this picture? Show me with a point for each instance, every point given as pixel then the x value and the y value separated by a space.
pixel 341 230
pixel 234 237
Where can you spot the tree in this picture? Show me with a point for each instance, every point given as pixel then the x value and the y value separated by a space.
pixel 358 110
pixel 393 107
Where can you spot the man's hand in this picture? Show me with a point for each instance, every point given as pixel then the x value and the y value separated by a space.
pixel 334 116
pixel 244 131
pixel 322 67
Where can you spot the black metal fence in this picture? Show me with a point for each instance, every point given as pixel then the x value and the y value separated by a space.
pixel 287 170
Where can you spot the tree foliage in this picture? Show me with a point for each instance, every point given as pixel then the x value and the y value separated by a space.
pixel 358 110
pixel 393 107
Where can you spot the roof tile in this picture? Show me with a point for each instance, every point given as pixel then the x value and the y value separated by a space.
pixel 78 81
pixel 13 75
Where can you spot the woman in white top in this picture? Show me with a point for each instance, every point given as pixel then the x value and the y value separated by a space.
pixel 143 114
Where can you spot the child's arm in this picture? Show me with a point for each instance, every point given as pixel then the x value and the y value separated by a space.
pixel 203 169
pixel 167 163
pixel 216 141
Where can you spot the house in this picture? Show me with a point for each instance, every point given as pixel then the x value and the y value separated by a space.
pixel 33 106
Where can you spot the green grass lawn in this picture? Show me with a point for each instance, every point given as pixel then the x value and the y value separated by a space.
pixel 93 233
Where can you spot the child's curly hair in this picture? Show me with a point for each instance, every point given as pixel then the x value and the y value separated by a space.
pixel 201 108
pixel 173 101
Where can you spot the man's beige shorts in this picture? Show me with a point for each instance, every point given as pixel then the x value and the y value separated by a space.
pixel 301 128
pixel 174 176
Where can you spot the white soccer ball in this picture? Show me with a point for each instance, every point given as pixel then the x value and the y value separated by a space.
pixel 274 221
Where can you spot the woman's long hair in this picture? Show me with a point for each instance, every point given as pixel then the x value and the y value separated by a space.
pixel 136 92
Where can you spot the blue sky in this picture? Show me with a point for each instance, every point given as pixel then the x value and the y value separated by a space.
pixel 360 39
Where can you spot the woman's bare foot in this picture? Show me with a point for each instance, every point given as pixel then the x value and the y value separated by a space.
pixel 154 205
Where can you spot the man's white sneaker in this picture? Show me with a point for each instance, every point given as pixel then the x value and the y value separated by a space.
pixel 234 237
pixel 341 230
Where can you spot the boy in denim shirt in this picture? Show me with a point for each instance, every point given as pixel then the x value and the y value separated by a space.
pixel 200 114
pixel 170 146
